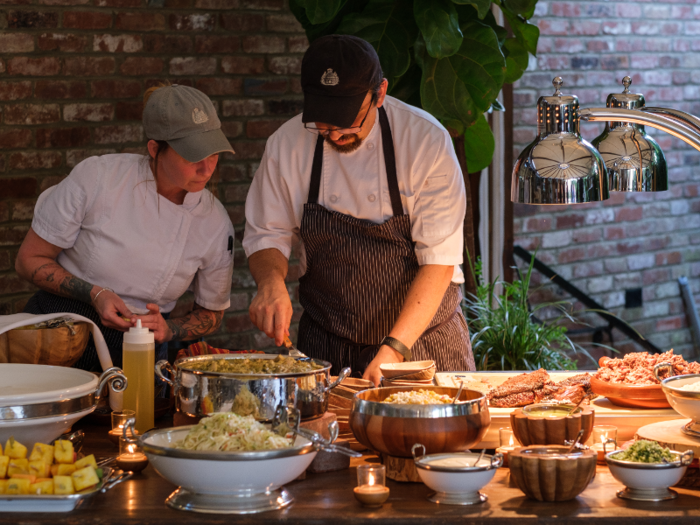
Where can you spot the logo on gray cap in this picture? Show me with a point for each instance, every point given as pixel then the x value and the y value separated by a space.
pixel 199 116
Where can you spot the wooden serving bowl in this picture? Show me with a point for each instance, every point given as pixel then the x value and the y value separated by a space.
pixel 547 473
pixel 633 396
pixel 532 429
pixel 393 429
pixel 418 370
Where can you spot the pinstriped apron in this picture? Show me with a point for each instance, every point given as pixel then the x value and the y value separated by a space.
pixel 358 274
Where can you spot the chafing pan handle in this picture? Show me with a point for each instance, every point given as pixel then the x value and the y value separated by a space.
pixel 345 372
pixel 163 363
pixel 497 460
pixel 416 447
pixel 686 458
pixel 117 379
pixel 661 366
pixel 129 428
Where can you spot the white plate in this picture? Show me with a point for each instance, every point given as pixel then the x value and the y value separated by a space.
pixel 39 430
pixel 22 384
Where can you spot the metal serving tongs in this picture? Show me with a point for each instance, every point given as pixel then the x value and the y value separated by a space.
pixel 287 421
pixel 292 350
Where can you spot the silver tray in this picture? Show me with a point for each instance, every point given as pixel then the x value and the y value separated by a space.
pixel 60 502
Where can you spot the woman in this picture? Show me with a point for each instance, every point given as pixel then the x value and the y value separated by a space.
pixel 124 235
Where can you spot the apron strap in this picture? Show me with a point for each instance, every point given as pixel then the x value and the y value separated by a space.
pixel 316 171
pixel 390 163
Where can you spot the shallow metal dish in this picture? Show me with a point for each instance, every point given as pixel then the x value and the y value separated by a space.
pixel 199 393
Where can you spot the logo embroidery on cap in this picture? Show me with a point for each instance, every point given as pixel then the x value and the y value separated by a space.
pixel 330 78
pixel 198 116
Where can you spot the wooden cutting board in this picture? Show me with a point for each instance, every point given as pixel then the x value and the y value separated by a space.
pixel 668 434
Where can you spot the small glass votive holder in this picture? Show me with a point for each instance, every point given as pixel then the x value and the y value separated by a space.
pixel 508 443
pixel 119 419
pixel 131 458
pixel 371 490
pixel 603 440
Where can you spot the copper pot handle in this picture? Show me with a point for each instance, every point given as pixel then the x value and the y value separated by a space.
pixel 415 447
pixel 686 458
pixel 661 366
pixel 129 426
pixel 345 372
pixel 497 460
pixel 115 377
pixel 163 363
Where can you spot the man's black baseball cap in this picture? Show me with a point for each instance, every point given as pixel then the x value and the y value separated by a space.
pixel 336 73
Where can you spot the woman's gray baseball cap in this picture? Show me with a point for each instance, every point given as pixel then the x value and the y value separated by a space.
pixel 185 118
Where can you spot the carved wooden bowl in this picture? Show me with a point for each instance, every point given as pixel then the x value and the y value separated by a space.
pixel 393 429
pixel 530 428
pixel 547 473
pixel 633 396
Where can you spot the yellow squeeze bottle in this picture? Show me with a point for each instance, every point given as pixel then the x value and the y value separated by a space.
pixel 139 353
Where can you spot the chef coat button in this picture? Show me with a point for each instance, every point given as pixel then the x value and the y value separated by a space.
pixel 334 198
pixel 372 198
pixel 370 146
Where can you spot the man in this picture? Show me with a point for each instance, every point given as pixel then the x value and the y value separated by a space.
pixel 373 190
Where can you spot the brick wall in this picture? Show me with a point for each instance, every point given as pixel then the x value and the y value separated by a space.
pixel 632 240
pixel 72 77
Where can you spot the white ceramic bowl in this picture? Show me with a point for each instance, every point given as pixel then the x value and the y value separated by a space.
pixel 455 477
pixel 22 384
pixel 225 473
pixel 685 402
pixel 39 430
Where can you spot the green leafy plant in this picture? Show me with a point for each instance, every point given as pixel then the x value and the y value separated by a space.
pixel 449 57
pixel 506 334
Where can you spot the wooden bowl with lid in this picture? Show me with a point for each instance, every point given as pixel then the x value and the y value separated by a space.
pixel 546 424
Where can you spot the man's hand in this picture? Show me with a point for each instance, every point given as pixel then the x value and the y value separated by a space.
pixel 155 322
pixel 386 354
pixel 271 310
pixel 111 309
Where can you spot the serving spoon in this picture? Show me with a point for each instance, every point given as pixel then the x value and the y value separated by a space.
pixel 459 391
pixel 292 351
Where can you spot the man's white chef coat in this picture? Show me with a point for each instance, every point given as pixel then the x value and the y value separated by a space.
pixel 430 183
pixel 117 232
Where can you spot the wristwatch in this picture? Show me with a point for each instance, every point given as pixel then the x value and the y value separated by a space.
pixel 398 346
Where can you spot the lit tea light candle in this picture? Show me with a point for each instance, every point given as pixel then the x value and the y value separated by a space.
pixel 603 440
pixel 508 443
pixel 119 419
pixel 130 457
pixel 370 490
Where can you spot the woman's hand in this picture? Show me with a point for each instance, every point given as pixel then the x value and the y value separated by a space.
pixel 386 354
pixel 155 322
pixel 111 309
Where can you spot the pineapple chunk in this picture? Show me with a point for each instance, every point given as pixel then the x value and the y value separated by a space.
pixel 40 469
pixel 84 478
pixel 15 449
pixel 63 451
pixel 4 462
pixel 3 485
pixel 62 485
pixel 42 452
pixel 18 466
pixel 54 470
pixel 84 462
pixel 18 486
pixel 65 470
pixel 44 486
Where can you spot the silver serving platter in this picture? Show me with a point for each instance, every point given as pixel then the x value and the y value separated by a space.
pixel 60 502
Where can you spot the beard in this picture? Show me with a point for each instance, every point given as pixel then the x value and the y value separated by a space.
pixel 349 147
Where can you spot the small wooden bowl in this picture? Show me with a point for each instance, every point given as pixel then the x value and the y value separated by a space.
pixel 422 370
pixel 546 473
pixel 633 396
pixel 541 430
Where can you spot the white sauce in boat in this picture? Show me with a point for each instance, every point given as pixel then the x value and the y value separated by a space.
pixel 457 462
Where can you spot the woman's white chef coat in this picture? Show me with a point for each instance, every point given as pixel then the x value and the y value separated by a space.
pixel 430 182
pixel 117 232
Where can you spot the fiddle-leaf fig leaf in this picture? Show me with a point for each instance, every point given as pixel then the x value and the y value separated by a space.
pixel 314 31
pixel 482 6
pixel 517 59
pixel 390 27
pixel 439 25
pixel 479 145
pixel 321 11
pixel 527 34
pixel 524 8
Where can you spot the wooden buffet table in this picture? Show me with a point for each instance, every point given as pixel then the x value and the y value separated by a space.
pixel 328 498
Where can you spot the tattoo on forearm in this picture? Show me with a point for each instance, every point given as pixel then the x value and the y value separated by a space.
pixel 53 278
pixel 197 323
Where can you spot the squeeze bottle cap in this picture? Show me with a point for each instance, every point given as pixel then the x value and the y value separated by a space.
pixel 137 335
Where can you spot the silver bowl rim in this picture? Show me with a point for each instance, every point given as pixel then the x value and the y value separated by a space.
pixel 423 462
pixel 243 377
pixel 676 391
pixel 379 408
pixel 644 466
pixel 255 455
pixel 540 451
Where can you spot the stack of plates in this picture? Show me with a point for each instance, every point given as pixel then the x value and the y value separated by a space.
pixel 411 373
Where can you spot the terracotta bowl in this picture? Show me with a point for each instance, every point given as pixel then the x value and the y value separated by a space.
pixel 422 370
pixel 393 429
pixel 547 473
pixel 633 396
pixel 531 429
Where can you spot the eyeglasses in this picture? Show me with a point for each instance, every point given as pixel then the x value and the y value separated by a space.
pixel 343 131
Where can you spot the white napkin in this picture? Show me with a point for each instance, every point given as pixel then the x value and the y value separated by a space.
pixel 9 322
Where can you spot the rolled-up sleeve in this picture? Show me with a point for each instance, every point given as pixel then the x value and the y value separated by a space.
pixel 439 208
